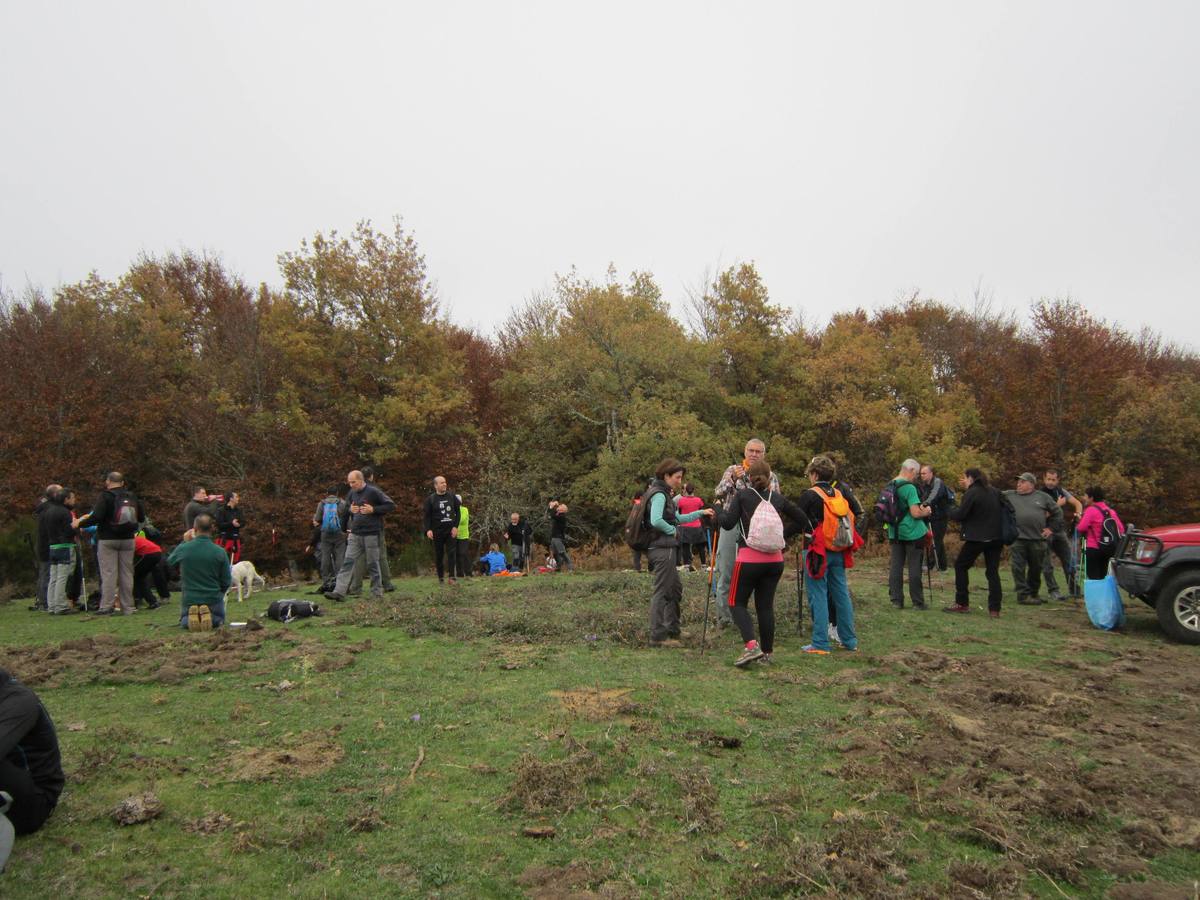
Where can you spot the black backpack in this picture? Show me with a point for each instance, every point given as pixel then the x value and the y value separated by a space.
pixel 638 533
pixel 1110 531
pixel 286 610
pixel 888 509
pixel 1008 522
pixel 124 513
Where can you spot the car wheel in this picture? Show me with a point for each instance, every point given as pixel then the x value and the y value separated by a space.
pixel 1179 607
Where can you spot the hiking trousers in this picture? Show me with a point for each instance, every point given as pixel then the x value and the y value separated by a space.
pixel 668 592
pixel 906 555
pixel 970 551
pixel 62 566
pixel 831 592
pixel 360 546
pixel 1027 556
pixel 360 569
pixel 333 552
pixel 444 547
pixel 558 546
pixel 1059 545
pixel 116 574
pixel 726 556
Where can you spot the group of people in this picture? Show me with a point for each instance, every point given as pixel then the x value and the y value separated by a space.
pixel 1048 521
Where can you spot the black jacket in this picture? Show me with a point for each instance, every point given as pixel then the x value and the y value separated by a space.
pixel 28 739
pixel 743 504
pixel 361 524
pixel 979 513
pixel 54 527
pixel 519 534
pixel 225 526
pixel 102 516
pixel 441 513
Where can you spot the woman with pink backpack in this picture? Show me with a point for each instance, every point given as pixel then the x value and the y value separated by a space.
pixel 762 536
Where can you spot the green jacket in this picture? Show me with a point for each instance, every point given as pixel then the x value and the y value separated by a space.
pixel 464 523
pixel 910 529
pixel 204 571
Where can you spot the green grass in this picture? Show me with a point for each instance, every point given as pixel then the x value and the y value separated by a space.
pixel 641 799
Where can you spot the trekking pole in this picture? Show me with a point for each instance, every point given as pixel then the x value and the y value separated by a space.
pixel 929 572
pixel 704 628
pixel 799 593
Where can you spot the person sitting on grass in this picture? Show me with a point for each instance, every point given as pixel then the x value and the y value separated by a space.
pixel 205 575
pixel 493 562
pixel 31 770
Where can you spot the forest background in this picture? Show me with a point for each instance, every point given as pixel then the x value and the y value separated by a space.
pixel 178 373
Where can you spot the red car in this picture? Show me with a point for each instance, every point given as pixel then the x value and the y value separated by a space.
pixel 1161 567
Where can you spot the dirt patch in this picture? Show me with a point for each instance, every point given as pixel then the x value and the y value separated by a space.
pixel 209 823
pixel 555 785
pixel 139 809
pixel 366 819
pixel 299 757
pixel 596 704
pixel 102 658
pixel 1035 763
pixel 575 881
pixel 1150 890
pixel 706 738
pixel 699 801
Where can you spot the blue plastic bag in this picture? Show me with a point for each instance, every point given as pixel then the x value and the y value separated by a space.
pixel 1102 598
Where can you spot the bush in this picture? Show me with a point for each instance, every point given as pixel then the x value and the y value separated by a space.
pixel 18 560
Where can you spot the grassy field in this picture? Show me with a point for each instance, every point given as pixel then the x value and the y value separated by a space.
pixel 519 738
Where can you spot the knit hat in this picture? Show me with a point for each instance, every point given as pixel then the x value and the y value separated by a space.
pixel 1027 476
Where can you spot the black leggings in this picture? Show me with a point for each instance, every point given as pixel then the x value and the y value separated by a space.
pixel 761 579
pixel 447 545
pixel 1097 562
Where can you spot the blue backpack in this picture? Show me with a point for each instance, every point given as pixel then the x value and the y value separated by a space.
pixel 331 521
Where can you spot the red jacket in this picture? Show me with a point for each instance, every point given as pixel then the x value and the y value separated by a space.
pixel 143 546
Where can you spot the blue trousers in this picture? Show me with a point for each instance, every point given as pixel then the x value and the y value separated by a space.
pixel 832 587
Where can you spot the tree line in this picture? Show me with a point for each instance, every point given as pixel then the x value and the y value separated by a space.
pixel 179 373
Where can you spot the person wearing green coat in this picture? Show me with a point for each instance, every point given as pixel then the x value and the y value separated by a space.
pixel 907 539
pixel 463 564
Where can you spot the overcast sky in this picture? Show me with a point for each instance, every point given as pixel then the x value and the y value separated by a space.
pixel 856 152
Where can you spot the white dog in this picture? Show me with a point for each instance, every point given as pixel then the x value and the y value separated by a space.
pixel 244 576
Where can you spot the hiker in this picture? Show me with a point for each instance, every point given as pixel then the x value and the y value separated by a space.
pixel 755 515
pixel 558 536
pixel 907 538
pixel 368 506
pixel 1097 553
pixel 664 519
pixel 331 519
pixel 230 522
pixel 42 552
pixel 441 527
pixel 939 498
pixel 148 573
pixel 980 517
pixel 833 511
pixel 204 572
pixel 31 769
pixel 691 534
pixel 1059 543
pixel 118 517
pixel 202 502
pixel 520 536
pixel 1034 511
pixel 733 480
pixel 492 562
pixel 463 547
pixel 360 567
pixel 56 542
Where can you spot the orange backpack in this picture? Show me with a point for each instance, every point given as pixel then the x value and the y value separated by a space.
pixel 838 524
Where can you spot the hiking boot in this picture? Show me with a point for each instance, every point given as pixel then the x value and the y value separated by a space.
pixel 766 659
pixel 957 608
pixel 809 648
pixel 63 612
pixel 102 612
pixel 666 642
pixel 1030 601
pixel 1057 595
pixel 834 637
pixel 335 596
pixel 199 618
pixel 454 581
pixel 993 613
pixel 749 655
pixel 921 606
pixel 898 604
